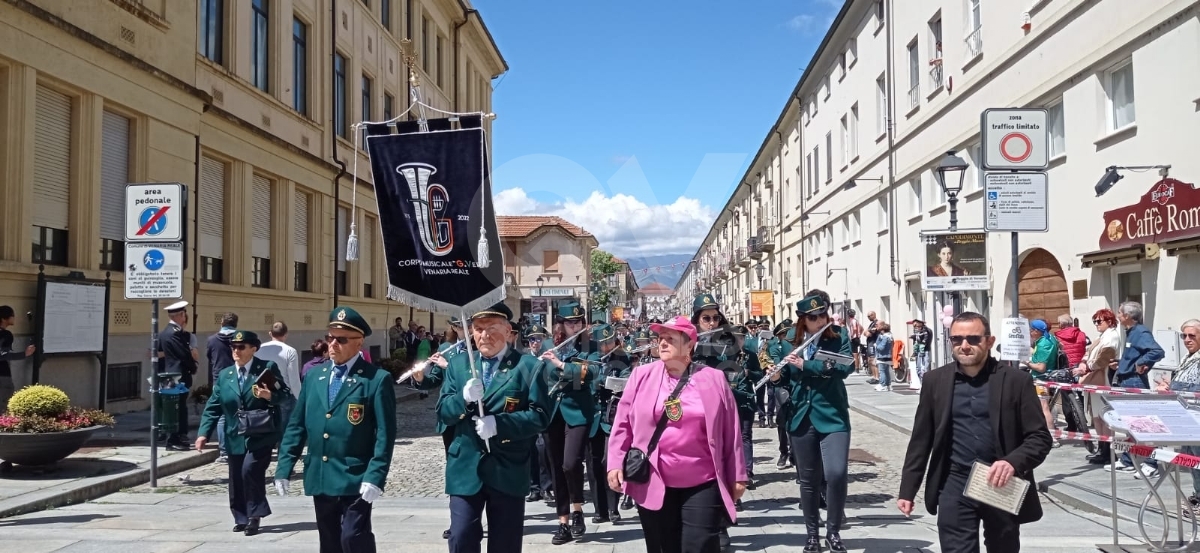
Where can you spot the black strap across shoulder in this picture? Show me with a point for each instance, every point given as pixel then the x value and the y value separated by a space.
pixel 662 421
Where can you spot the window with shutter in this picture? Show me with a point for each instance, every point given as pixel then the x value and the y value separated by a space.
pixel 114 175
pixel 300 228
pixel 212 208
pixel 260 224
pixel 52 159
pixel 366 248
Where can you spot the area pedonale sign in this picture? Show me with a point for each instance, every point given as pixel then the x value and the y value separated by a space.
pixel 1169 211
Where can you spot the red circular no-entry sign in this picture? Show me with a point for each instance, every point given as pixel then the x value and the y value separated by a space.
pixel 1016 147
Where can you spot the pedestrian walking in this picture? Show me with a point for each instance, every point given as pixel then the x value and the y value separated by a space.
pixel 883 355
pixel 346 416
pixel 820 420
pixel 7 353
pixel 921 342
pixel 251 392
pixel 320 354
pixel 219 355
pixel 676 447
pixel 285 357
pixel 613 363
pixel 974 409
pixel 487 468
pixel 177 348
pixel 781 391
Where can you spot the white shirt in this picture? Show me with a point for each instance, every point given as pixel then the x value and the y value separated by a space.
pixel 1108 339
pixel 286 358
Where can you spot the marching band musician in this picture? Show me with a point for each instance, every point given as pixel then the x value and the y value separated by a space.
pixel 819 426
pixel 726 351
pixel 780 392
pixel 707 317
pixel 572 417
pixel 615 363
pixel 536 336
pixel 487 465
pixel 433 381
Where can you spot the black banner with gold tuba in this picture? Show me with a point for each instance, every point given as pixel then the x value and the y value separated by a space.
pixel 435 213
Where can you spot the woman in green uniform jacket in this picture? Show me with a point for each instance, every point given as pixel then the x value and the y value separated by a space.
pixel 820 417
pixel 250 384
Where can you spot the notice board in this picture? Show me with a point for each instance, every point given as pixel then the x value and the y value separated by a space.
pixel 74 314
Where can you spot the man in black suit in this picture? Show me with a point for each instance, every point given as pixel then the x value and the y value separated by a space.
pixel 975 409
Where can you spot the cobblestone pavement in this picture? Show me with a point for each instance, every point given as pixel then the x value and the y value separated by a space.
pixel 418 465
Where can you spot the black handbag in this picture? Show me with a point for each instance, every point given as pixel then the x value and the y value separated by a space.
pixel 637 462
pixel 254 422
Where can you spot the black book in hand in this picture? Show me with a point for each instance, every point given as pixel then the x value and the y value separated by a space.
pixel 267 380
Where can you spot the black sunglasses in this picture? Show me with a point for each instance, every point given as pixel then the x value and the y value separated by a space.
pixel 343 340
pixel 974 340
pixel 238 347
pixel 710 318
pixel 814 317
pixel 1097 321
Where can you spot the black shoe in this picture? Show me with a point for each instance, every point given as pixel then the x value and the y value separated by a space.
pixel 614 516
pixel 813 545
pixel 835 544
pixel 178 447
pixel 548 495
pixel 533 496
pixel 252 528
pixel 239 527
pixel 737 505
pixel 750 482
pixel 782 463
pixel 446 534
pixel 562 535
pixel 823 505
pixel 723 540
pixel 626 503
pixel 599 518
pixel 577 526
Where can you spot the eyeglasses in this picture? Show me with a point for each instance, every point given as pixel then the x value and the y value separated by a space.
pixel 1187 336
pixel 814 317
pixel 710 318
pixel 1097 321
pixel 238 347
pixel 973 340
pixel 342 340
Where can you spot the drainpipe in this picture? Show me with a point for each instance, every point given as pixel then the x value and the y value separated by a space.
pixel 467 12
pixel 893 242
pixel 778 219
pixel 803 268
pixel 337 179
pixel 195 237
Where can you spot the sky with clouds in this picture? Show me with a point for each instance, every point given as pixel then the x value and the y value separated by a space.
pixel 635 119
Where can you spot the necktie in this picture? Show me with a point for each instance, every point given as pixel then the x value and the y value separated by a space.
pixel 242 378
pixel 812 349
pixel 488 363
pixel 335 382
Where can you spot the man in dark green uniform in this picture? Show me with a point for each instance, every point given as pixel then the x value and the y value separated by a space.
pixel 346 415
pixel 777 347
pixel 725 350
pixel 572 420
pixel 614 362
pixel 434 374
pixel 541 481
pixel 487 467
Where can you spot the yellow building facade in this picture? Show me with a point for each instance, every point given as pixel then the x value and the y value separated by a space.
pixel 250 104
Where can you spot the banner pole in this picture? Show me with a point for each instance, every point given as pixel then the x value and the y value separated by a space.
pixel 462 313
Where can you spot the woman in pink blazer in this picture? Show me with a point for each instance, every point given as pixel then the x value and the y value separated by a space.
pixel 697 471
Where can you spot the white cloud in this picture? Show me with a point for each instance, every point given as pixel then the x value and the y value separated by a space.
pixel 623 224
pixel 804 23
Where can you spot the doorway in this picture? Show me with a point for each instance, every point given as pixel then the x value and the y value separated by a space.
pixel 1043 287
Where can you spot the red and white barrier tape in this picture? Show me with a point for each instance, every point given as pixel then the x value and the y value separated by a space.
pixel 1080 436
pixel 1158 454
pixel 1116 390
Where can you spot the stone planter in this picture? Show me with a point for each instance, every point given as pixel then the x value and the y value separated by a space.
pixel 43 449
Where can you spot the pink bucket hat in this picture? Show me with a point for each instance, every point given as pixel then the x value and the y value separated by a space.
pixel 678 324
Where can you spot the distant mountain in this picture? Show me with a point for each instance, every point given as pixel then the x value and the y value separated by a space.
pixel 663 269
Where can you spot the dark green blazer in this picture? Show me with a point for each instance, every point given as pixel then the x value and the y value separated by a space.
pixel 817 396
pixel 437 376
pixel 572 388
pixel 517 397
pixel 350 440
pixel 227 397
pixel 743 386
pixel 619 365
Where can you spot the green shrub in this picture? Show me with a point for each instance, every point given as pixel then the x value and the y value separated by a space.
pixel 39 401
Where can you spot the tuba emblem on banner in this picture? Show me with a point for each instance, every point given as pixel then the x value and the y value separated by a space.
pixel 430 203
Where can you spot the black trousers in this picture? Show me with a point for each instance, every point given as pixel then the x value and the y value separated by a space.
pixel 828 454
pixel 344 524
pixel 545 472
pixel 748 443
pixel 958 521
pixel 248 485
pixel 781 433
pixel 760 400
pixel 540 478
pixel 566 444
pixel 506 522
pixel 690 521
pixel 448 438
pixel 606 500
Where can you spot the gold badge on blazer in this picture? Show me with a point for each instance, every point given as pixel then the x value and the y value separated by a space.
pixel 673 409
pixel 511 404
pixel 354 413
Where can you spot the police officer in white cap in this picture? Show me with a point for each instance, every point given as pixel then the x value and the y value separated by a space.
pixel 177 349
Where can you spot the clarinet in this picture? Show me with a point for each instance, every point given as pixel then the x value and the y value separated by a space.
pixel 779 367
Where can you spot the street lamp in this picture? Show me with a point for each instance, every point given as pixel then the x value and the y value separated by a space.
pixel 945 174
pixel 540 280
pixel 1111 176
pixel 759 268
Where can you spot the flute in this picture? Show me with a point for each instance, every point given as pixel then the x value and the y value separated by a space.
pixel 421 366
pixel 779 367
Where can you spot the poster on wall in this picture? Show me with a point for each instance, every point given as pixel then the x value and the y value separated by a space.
pixel 955 261
pixel 761 302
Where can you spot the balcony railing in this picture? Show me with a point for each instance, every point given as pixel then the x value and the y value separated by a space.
pixel 743 257
pixel 975 42
pixel 766 238
pixel 755 247
pixel 767 284
pixel 914 96
pixel 935 74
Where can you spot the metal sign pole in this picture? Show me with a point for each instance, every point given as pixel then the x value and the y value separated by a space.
pixel 153 393
pixel 1013 276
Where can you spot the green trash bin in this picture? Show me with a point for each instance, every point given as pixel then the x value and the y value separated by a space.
pixel 166 403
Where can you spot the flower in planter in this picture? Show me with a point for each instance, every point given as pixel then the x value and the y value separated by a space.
pixel 43 409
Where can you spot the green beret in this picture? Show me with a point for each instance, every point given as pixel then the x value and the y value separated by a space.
pixel 570 310
pixel 813 304
pixel 349 319
pixel 704 301
pixel 244 337
pixel 498 310
pixel 603 333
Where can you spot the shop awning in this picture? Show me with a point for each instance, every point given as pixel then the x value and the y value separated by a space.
pixel 1114 256
pixel 1180 247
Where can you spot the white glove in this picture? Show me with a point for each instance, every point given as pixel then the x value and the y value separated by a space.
pixel 369 492
pixel 473 391
pixel 281 487
pixel 485 427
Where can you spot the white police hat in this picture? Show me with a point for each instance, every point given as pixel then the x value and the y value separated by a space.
pixel 177 307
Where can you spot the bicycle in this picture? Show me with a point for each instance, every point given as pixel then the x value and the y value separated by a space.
pixel 1072 407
